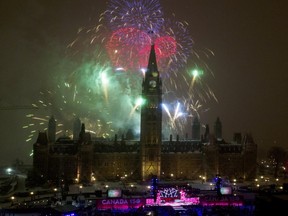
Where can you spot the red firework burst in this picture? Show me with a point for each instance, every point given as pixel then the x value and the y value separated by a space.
pixel 125 48
pixel 129 48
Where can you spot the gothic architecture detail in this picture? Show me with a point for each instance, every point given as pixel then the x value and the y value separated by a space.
pixel 52 129
pixel 88 158
pixel 196 129
pixel 180 158
pixel 218 129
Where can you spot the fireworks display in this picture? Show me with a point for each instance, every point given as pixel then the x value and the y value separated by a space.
pixel 145 15
pixel 103 88
pixel 128 48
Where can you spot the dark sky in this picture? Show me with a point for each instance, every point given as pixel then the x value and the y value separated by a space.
pixel 248 39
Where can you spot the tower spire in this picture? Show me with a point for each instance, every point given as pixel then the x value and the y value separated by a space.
pixel 152 63
pixel 151 120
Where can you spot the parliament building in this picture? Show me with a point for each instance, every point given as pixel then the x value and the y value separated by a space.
pixel 86 159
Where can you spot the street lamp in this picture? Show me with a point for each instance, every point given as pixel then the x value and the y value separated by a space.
pixel 12 200
pixel 31 194
pixel 9 171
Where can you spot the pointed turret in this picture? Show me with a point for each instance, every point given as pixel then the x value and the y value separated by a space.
pixel 152 82
pixel 207 133
pixel 82 133
pixel 152 63
pixel 76 128
pixel 52 129
pixel 218 129
pixel 196 129
pixel 42 139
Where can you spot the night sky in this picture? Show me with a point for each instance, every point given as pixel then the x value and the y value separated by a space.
pixel 246 40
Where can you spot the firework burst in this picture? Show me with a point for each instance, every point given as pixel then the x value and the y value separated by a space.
pixel 102 98
pixel 108 60
pixel 145 15
pixel 125 48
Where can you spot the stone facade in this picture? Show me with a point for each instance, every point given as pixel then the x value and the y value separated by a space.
pixel 107 160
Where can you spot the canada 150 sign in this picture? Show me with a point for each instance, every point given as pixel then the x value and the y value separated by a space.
pixel 121 203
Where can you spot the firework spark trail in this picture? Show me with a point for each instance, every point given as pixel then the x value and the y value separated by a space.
pixel 60 106
pixel 144 15
pixel 86 96
pixel 184 44
pixel 173 117
pixel 138 104
pixel 125 48
pixel 119 88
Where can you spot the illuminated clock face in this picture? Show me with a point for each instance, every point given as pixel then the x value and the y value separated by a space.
pixel 154 74
pixel 153 83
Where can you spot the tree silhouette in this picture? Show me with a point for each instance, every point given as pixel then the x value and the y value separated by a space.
pixel 278 156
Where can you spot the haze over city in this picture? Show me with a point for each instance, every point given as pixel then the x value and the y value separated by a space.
pixel 50 49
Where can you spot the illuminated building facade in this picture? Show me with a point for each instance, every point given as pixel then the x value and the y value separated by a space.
pixel 151 120
pixel 87 159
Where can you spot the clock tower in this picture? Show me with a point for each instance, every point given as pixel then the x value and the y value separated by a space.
pixel 151 120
